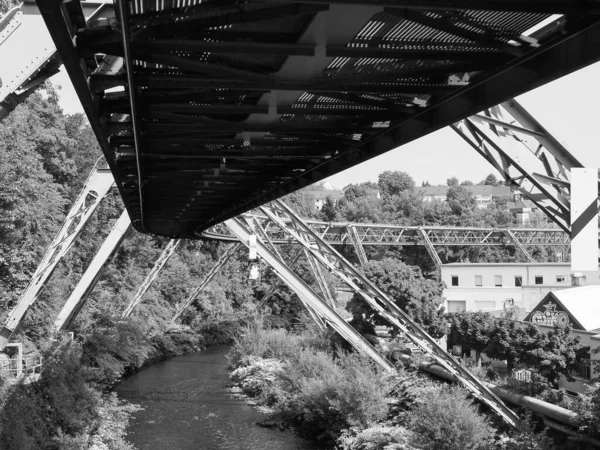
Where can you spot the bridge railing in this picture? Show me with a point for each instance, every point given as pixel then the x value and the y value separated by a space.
pixel 20 367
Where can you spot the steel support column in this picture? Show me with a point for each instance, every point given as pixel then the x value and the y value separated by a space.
pixel 318 274
pixel 158 265
pixel 207 279
pixel 309 296
pixel 278 281
pixel 431 250
pixel 358 248
pixel 93 273
pixel 95 189
pixel 296 228
pixel 520 246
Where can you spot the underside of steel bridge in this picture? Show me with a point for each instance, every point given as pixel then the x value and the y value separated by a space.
pixel 205 110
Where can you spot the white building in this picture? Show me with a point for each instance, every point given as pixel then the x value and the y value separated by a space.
pixel 483 194
pixel 580 308
pixel 491 286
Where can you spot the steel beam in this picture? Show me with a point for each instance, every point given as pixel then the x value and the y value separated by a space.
pixel 431 250
pixel 526 155
pixel 320 278
pixel 158 265
pixel 520 246
pixel 92 274
pixel 309 297
pixel 255 224
pixel 278 281
pixel 356 243
pixel 535 6
pixel 298 230
pixel 207 279
pixel 94 190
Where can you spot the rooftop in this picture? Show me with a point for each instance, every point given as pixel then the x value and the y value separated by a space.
pixel 581 303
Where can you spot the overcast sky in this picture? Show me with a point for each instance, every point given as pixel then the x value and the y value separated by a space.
pixel 567 107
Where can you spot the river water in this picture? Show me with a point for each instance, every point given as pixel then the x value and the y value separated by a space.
pixel 187 406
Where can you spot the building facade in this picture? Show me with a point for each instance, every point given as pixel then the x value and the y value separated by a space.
pixel 495 286
pixel 484 195
pixel 578 308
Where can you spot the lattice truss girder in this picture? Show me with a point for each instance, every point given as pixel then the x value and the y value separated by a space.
pixel 527 156
pixel 379 234
pixel 96 187
pixel 165 255
pixel 326 255
pixel 317 307
pixel 223 106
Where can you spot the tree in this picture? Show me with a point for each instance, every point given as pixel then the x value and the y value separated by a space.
pixel 394 182
pixel 555 353
pixel 405 285
pixel 472 329
pixel 490 180
pixel 460 199
pixel 510 339
pixel 329 210
pixel 466 183
pixel 452 181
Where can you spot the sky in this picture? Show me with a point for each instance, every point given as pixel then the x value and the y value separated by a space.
pixel 567 107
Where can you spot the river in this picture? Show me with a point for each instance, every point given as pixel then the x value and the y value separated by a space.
pixel 187 406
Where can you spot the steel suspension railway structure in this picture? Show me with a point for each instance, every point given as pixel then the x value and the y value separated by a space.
pixel 207 110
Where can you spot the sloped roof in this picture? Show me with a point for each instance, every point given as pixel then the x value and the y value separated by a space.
pixel 582 304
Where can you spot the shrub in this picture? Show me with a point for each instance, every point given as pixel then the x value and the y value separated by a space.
pixel 263 378
pixel 60 403
pixel 333 395
pixel 114 415
pixel 447 420
pixel 253 340
pixel 378 437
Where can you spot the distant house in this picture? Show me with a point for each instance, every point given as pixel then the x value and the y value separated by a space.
pixel 320 197
pixel 483 194
pixel 521 210
pixel 579 308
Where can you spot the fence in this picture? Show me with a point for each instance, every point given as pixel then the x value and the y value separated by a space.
pixel 19 367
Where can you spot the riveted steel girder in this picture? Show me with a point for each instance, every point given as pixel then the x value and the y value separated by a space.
pixel 302 234
pixel 94 190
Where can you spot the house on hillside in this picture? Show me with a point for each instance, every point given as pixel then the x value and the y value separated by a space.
pixel 578 307
pixel 521 210
pixel 483 194
pixel 319 197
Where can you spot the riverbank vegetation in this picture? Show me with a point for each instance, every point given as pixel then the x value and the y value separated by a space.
pixel 343 400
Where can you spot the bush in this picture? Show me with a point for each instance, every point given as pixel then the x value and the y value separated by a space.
pixel 447 420
pixel 333 395
pixel 379 437
pixel 60 407
pixel 263 378
pixel 253 340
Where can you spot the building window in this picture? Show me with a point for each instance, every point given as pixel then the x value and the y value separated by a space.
pixel 498 280
pixel 582 371
pixel 518 280
pixel 560 278
pixel 539 279
pixel 454 280
pixel 478 280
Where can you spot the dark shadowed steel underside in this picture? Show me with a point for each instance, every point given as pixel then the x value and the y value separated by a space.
pixel 205 110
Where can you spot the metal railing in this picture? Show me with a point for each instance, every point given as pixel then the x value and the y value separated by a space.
pixel 20 367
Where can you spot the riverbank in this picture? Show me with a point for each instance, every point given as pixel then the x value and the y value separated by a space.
pixel 343 400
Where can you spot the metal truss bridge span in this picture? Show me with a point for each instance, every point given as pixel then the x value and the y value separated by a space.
pixel 338 233
pixel 206 110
